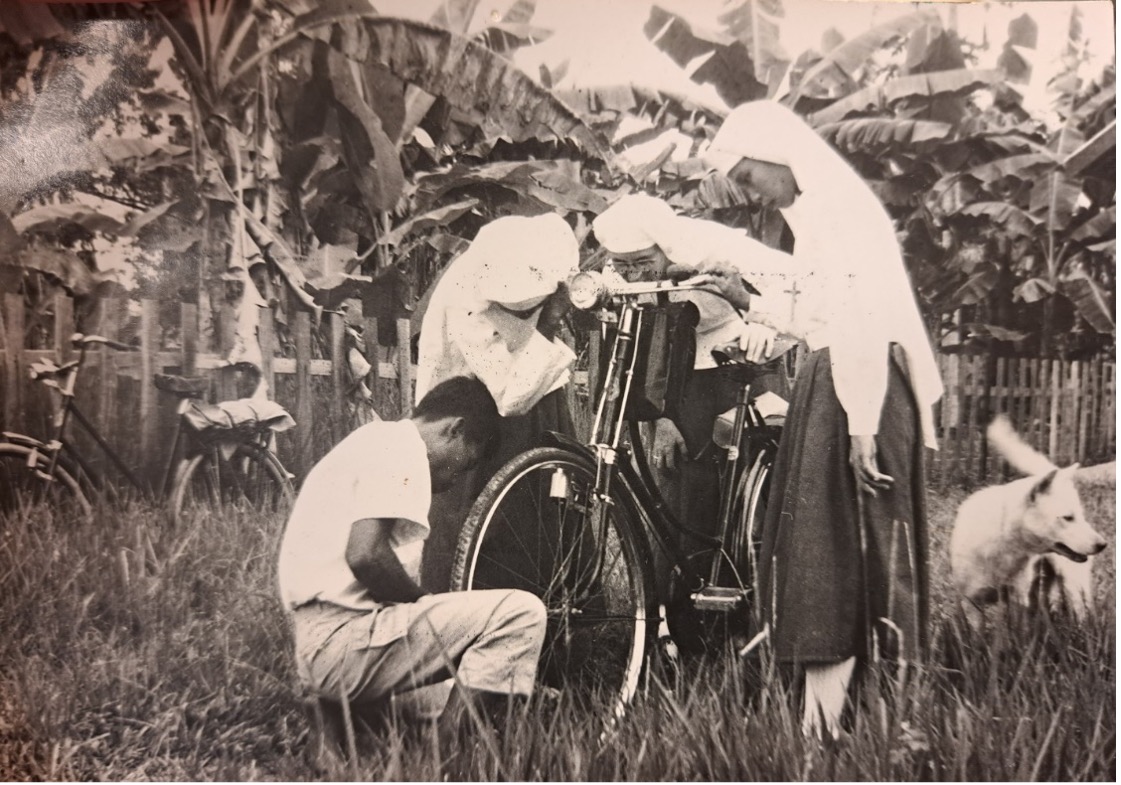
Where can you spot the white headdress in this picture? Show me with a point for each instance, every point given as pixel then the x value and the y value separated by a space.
pixel 634 223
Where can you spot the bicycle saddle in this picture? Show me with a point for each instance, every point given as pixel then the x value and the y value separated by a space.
pixel 183 386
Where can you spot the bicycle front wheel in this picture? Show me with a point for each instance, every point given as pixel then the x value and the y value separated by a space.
pixel 534 528
pixel 231 476
pixel 23 485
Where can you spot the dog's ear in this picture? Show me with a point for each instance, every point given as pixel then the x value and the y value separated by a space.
pixel 1043 486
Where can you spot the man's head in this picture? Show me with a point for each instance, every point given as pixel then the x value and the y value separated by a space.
pixel 458 421
pixel 630 230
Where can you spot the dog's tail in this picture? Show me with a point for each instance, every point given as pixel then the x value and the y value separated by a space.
pixel 1019 454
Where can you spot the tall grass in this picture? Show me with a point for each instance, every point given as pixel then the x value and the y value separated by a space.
pixel 133 651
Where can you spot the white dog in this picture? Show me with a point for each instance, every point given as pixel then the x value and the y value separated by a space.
pixel 1002 533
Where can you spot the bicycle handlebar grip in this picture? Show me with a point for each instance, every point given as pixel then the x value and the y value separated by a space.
pixel 85 340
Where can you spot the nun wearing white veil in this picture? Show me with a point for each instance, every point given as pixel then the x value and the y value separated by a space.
pixel 844 544
pixel 493 315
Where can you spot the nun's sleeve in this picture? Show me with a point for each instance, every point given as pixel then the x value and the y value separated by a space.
pixel 518 371
pixel 858 347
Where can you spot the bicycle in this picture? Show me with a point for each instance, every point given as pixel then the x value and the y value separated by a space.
pixel 220 455
pixel 578 525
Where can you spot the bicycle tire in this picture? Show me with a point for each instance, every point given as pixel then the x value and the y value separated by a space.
pixel 248 477
pixel 747 537
pixel 21 489
pixel 599 626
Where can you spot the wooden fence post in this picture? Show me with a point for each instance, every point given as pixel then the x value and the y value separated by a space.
pixel 1056 403
pixel 373 349
pixel 109 327
pixel 149 416
pixel 266 339
pixel 404 367
pixel 11 341
pixel 1109 412
pixel 63 326
pixel 1039 403
pixel 339 375
pixel 304 408
pixel 189 338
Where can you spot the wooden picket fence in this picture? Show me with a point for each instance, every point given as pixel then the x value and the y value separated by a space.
pixel 1065 409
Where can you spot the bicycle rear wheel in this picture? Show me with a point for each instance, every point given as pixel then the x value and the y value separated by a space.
pixel 229 476
pixel 532 528
pixel 22 488
pixel 747 536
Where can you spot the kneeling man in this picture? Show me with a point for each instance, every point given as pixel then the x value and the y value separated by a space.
pixel 350 558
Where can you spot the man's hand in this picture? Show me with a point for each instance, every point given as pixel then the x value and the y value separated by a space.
pixel 862 459
pixel 668 445
pixel 757 342
pixel 553 311
pixel 728 282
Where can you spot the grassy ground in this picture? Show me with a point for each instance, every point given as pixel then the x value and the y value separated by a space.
pixel 133 652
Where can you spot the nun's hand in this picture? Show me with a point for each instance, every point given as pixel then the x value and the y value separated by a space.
pixel 668 445
pixel 727 280
pixel 757 342
pixel 865 468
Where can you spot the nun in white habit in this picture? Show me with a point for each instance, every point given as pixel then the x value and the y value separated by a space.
pixel 494 315
pixel 844 544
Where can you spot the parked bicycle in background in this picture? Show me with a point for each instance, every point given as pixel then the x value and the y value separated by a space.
pixel 220 455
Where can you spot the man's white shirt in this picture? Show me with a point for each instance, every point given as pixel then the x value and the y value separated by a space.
pixel 378 471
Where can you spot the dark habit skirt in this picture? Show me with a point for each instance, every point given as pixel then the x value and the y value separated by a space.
pixel 832 587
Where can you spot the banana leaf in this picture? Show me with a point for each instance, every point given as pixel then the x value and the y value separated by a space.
pixel 440 216
pixel 1012 218
pixel 52 218
pixel 1027 166
pixel 1054 198
pixel 1033 290
pixel 370 154
pixel 1091 300
pixel 60 264
pixel 875 136
pixel 837 70
pixel 1101 226
pixel 503 101
pixel 978 285
pixel 880 97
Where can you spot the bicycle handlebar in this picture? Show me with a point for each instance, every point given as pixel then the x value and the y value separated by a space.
pixel 589 289
pixel 80 340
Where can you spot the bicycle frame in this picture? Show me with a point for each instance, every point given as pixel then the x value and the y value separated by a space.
pixel 56 450
pixel 626 305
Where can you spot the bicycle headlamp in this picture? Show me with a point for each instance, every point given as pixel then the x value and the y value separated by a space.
pixel 586 290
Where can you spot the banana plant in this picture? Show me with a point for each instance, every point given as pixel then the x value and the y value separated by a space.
pixel 305 128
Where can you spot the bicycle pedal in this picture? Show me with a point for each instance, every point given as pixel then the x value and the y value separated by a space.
pixel 717 598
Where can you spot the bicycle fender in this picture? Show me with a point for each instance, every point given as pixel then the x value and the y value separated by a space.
pixel 625 473
pixel 22 440
pixel 558 439
pixel 68 464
